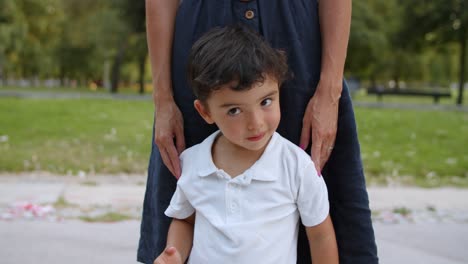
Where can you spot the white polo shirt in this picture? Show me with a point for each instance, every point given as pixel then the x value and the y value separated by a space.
pixel 254 217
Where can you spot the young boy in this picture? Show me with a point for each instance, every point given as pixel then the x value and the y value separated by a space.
pixel 243 189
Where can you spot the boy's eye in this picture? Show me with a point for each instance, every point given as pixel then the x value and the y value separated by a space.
pixel 233 111
pixel 266 102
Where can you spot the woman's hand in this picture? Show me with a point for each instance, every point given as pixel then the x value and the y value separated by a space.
pixel 320 123
pixel 169 256
pixel 169 134
pixel 160 21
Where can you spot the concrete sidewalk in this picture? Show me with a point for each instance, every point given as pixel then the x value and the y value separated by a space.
pixel 412 225
pixel 128 190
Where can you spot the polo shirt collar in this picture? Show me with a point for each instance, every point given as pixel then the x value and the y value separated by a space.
pixel 261 170
pixel 204 160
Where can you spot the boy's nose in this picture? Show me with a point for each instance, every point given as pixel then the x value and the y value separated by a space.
pixel 255 121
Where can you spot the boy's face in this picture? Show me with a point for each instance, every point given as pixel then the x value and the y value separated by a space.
pixel 248 118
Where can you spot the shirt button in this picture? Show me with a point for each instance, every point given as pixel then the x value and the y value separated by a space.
pixel 249 14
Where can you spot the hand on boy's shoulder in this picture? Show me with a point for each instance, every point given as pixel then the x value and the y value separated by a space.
pixel 170 256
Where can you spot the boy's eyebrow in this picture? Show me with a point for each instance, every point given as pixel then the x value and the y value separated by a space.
pixel 261 98
pixel 269 94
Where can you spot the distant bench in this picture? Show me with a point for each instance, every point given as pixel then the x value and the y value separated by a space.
pixel 436 94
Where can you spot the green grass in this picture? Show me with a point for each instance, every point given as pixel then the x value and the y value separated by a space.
pixel 107 217
pixel 402 211
pixel 63 203
pixel 426 148
pixel 66 136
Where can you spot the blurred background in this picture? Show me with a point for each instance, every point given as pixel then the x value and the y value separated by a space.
pixel 75 88
pixel 76 118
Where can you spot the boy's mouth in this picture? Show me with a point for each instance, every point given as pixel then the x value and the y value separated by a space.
pixel 256 137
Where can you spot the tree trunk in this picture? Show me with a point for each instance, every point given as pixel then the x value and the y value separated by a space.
pixel 62 75
pixel 115 75
pixel 106 76
pixel 463 37
pixel 373 81
pixel 397 74
pixel 397 82
pixel 142 63
pixel 2 81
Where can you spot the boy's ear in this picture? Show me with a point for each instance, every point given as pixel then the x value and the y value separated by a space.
pixel 203 111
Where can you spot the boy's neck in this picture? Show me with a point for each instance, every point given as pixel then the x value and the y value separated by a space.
pixel 232 159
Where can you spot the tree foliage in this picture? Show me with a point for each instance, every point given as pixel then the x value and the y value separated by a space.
pixel 89 38
pixel 94 40
pixel 437 24
pixel 27 31
pixel 367 40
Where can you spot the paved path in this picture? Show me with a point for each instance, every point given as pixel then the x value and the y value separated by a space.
pixel 438 235
pixel 68 242
pixel 80 242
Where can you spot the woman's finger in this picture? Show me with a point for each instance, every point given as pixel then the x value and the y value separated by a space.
pixel 180 139
pixel 327 150
pixel 324 154
pixel 174 160
pixel 316 153
pixel 166 160
pixel 305 134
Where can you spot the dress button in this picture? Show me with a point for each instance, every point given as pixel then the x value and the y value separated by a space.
pixel 249 14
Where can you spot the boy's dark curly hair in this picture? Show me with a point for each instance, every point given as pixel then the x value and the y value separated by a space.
pixel 233 53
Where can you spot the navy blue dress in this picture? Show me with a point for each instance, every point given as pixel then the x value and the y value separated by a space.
pixel 293 26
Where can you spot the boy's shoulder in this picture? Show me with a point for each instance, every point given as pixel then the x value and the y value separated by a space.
pixel 190 152
pixel 200 150
pixel 291 152
pixel 197 158
pixel 191 156
pixel 288 162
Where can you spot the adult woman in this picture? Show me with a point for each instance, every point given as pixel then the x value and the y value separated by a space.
pixel 315 106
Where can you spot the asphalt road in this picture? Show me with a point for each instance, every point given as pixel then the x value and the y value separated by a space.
pixel 435 231
pixel 79 242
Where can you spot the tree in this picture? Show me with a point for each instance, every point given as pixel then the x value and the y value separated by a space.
pixel 7 9
pixel 90 35
pixel 133 13
pixel 28 32
pixel 367 42
pixel 438 22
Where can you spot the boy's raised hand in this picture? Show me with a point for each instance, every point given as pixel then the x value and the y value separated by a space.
pixel 170 256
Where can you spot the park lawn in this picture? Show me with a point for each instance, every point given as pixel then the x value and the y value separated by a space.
pixel 68 136
pixel 426 148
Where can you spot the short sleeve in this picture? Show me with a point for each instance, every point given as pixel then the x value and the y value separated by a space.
pixel 179 207
pixel 312 199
